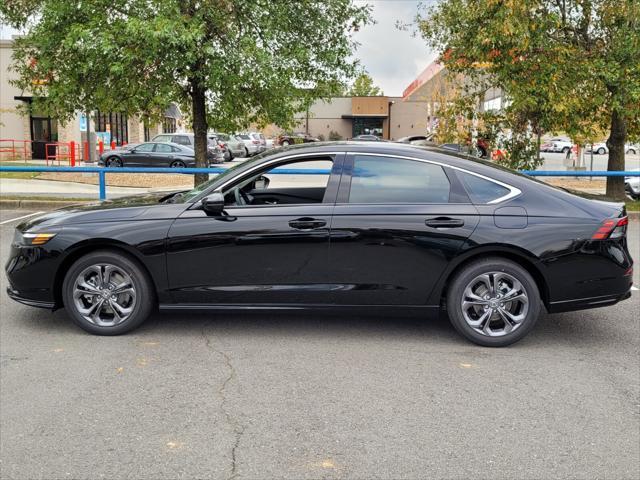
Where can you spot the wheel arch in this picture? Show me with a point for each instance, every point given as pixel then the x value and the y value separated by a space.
pixel 521 257
pixel 80 249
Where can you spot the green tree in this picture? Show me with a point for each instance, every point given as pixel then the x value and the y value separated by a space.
pixel 363 87
pixel 232 63
pixel 560 62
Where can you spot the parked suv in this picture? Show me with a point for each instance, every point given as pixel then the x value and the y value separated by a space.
pixel 187 139
pixel 557 144
pixel 254 142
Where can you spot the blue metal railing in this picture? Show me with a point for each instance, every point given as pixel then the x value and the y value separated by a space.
pixel 277 171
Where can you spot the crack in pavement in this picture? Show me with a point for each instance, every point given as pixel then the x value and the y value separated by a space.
pixel 237 427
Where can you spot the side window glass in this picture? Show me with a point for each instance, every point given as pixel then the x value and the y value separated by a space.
pixel 481 190
pixel 162 138
pixel 394 180
pixel 181 140
pixel 295 183
pixel 145 147
pixel 163 148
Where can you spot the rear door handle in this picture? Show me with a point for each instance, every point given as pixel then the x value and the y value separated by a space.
pixel 444 222
pixel 307 223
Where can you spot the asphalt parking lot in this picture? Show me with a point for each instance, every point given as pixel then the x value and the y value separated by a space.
pixel 313 396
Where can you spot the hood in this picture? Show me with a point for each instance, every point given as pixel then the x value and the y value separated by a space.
pixel 109 210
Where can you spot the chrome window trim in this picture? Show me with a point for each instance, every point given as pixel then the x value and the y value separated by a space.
pixel 513 191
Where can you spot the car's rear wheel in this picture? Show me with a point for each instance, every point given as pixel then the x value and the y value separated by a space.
pixel 113 162
pixel 565 150
pixel 493 302
pixel 246 152
pixel 601 151
pixel 178 164
pixel 107 293
pixel 286 143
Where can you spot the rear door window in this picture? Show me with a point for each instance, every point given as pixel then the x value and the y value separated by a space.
pixel 181 140
pixel 163 148
pixel 393 180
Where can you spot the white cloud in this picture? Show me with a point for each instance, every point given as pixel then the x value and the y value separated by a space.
pixel 393 57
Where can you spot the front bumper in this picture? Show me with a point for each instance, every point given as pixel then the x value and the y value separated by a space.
pixel 17 296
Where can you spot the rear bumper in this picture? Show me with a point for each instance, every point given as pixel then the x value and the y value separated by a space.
pixel 585 303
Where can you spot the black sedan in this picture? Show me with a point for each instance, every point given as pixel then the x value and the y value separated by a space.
pixel 154 154
pixel 380 226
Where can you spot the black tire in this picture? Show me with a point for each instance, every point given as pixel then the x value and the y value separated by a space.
pixel 230 156
pixel 286 143
pixel 178 164
pixel 145 292
pixel 113 162
pixel 601 151
pixel 631 151
pixel 246 152
pixel 466 275
pixel 565 150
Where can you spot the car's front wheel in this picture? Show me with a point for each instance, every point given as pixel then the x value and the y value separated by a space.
pixel 601 151
pixel 178 164
pixel 107 293
pixel 493 302
pixel 113 162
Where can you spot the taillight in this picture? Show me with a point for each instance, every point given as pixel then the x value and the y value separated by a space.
pixel 611 228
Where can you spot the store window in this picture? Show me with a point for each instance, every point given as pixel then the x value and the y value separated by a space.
pixel 115 125
pixel 169 125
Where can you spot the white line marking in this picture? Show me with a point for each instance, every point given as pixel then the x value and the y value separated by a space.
pixel 20 218
pixel 633 287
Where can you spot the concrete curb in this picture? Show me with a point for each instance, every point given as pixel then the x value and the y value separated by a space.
pixel 38 204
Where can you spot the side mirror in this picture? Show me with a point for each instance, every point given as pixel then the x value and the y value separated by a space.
pixel 261 182
pixel 213 204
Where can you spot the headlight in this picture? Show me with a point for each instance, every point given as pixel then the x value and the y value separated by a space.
pixel 37 238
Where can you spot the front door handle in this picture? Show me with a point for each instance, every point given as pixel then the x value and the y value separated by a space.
pixel 444 222
pixel 307 223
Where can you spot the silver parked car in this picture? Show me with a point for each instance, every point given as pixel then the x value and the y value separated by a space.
pixel 187 139
pixel 234 146
pixel 254 142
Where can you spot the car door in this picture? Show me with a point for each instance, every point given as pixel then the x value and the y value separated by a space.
pixel 163 155
pixel 140 156
pixel 256 253
pixel 396 225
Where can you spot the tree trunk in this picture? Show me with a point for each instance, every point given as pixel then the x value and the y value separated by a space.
pixel 615 144
pixel 200 128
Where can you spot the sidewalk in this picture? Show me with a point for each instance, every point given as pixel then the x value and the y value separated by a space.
pixel 19 187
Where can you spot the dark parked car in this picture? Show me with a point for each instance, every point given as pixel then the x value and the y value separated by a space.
pixel 382 227
pixel 216 151
pixel 154 154
pixel 287 139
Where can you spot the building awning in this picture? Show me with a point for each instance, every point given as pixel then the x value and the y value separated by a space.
pixel 173 111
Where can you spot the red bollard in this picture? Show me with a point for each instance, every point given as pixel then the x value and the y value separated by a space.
pixel 72 153
pixel 85 152
pixel 113 145
pixel 100 147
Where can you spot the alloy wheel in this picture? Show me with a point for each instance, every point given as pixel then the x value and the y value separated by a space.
pixel 104 295
pixel 494 304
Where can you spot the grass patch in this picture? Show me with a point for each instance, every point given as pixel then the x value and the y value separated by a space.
pixel 633 205
pixel 19 175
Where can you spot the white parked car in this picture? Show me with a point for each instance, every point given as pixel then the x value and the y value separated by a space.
pixel 557 144
pixel 601 148
pixel 254 142
pixel 632 185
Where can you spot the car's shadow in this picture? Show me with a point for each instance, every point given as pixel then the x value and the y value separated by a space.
pixel 578 329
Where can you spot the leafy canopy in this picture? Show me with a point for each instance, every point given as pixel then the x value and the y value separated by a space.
pixel 232 62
